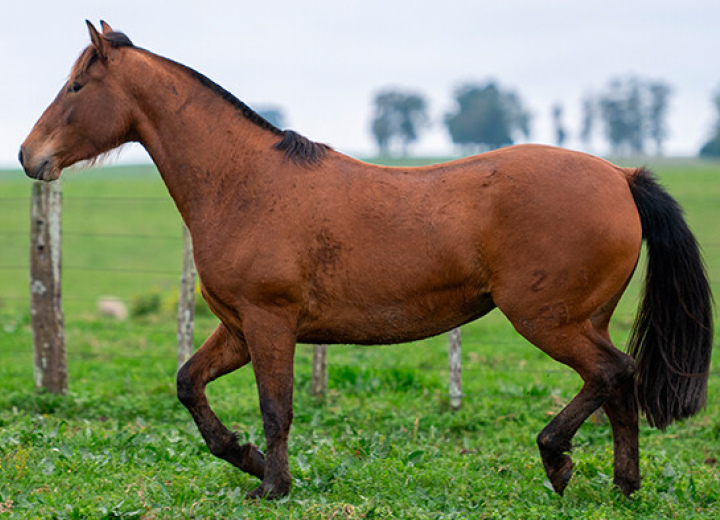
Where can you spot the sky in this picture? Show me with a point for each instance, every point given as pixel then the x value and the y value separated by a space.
pixel 323 61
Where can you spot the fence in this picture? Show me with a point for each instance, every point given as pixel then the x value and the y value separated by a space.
pixel 47 314
pixel 46 308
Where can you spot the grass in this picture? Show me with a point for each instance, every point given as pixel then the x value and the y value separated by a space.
pixel 383 444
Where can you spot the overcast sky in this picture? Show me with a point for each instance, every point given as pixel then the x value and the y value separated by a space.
pixel 322 61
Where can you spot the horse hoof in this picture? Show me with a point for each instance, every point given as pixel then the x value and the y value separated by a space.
pixel 559 478
pixel 256 494
pixel 262 492
pixel 626 487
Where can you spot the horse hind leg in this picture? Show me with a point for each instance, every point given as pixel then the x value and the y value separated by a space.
pixel 221 354
pixel 605 372
pixel 622 411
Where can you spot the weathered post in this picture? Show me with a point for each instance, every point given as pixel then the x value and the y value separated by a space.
pixel 319 371
pixel 186 302
pixel 45 288
pixel 455 378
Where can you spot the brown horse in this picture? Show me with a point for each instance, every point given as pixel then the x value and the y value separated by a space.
pixel 296 242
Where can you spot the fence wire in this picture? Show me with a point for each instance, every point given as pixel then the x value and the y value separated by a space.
pixel 508 366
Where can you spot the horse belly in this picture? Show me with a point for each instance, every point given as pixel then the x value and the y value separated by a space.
pixel 400 321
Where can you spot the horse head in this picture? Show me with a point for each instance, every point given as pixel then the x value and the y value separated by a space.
pixel 91 115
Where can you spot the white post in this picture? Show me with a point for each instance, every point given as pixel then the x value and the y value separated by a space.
pixel 455 378
pixel 186 302
pixel 319 371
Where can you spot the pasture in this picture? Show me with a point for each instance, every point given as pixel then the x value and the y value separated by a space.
pixel 383 444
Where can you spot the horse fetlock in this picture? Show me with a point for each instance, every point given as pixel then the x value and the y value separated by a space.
pixel 247 457
pixel 551 444
pixel 253 460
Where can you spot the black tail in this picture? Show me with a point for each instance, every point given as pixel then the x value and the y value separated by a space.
pixel 672 335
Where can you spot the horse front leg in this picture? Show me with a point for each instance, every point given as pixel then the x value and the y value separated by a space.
pixel 221 354
pixel 271 342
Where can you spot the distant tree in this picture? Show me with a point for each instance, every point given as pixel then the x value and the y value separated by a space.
pixel 557 117
pixel 274 115
pixel 634 117
pixel 382 132
pixel 487 117
pixel 712 147
pixel 399 117
pixel 613 111
pixel 657 113
pixel 633 111
pixel 588 120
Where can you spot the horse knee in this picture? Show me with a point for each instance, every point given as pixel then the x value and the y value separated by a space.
pixel 219 446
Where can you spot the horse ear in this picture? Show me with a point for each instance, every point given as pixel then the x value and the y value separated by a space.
pixel 105 27
pixel 97 40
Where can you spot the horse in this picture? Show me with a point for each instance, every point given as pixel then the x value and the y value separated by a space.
pixel 296 242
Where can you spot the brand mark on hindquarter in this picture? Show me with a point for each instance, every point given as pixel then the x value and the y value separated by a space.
pixel 538 285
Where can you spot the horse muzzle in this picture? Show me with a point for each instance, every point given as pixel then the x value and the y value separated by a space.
pixel 39 168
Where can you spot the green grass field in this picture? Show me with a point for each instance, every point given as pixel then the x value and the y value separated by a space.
pixel 383 444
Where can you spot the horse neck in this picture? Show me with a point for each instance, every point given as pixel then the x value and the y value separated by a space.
pixel 201 144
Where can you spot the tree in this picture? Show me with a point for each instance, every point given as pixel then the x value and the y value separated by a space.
pixel 487 117
pixel 633 111
pixel 557 116
pixel 620 109
pixel 399 117
pixel 659 94
pixel 712 147
pixel 588 120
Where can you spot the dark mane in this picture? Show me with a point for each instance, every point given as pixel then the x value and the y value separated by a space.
pixel 301 150
pixel 297 148
pixel 246 111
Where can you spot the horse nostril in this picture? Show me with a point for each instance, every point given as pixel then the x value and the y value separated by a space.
pixel 20 156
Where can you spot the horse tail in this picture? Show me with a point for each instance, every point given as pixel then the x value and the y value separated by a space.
pixel 672 335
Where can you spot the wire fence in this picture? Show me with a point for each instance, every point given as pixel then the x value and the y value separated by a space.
pixel 166 275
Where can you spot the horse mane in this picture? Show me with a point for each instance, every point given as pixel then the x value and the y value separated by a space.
pixel 298 149
pixel 301 150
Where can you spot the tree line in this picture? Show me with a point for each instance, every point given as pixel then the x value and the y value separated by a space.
pixel 629 112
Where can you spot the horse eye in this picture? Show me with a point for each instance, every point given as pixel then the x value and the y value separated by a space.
pixel 74 87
